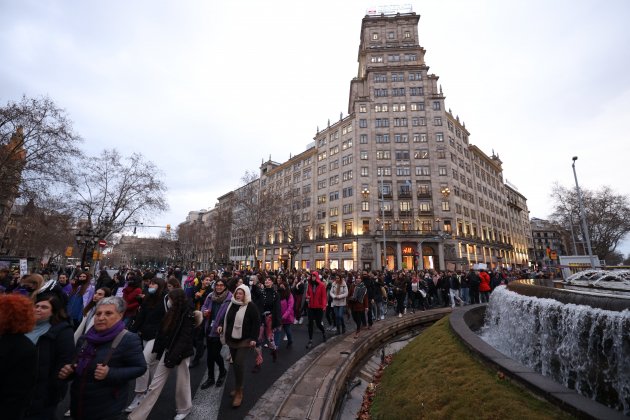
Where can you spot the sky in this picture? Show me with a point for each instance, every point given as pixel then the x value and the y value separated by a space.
pixel 208 90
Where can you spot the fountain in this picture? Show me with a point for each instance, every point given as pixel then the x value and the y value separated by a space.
pixel 585 346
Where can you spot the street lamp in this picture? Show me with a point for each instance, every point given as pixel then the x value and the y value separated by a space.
pixel 583 215
pixel 85 238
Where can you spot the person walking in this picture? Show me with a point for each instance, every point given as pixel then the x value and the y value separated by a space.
pixel 213 310
pixel 240 328
pixel 339 294
pixel 54 341
pixel 358 303
pixel 80 296
pixel 286 310
pixel 88 312
pixel 316 303
pixel 107 358
pixel 473 283
pixel 173 347
pixel 147 324
pixel 18 356
pixel 484 286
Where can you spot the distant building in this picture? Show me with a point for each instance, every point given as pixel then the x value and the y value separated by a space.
pixel 549 241
pixel 396 183
pixel 132 251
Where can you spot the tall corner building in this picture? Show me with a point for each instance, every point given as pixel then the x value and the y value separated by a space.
pixel 396 183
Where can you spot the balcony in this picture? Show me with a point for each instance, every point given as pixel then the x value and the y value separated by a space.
pixel 386 194
pixel 405 213
pixel 421 194
pixel 387 213
pixel 404 194
pixel 425 212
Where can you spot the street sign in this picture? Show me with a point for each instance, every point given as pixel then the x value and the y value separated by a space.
pixel 102 243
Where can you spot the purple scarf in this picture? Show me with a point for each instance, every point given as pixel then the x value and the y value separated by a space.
pixel 93 339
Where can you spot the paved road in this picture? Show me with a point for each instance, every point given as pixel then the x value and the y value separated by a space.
pixel 213 403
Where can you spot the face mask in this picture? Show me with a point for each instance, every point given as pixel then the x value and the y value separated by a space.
pixel 152 290
pixel 169 304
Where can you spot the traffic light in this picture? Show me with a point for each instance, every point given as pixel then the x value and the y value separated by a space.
pixel 168 229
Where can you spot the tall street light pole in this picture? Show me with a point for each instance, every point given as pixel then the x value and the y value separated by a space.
pixel 583 216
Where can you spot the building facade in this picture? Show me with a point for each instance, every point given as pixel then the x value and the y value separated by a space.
pixel 549 242
pixel 396 183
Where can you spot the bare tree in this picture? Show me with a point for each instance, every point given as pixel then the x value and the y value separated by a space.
pixel 115 192
pixel 253 211
pixel 37 149
pixel 288 221
pixel 39 146
pixel 607 216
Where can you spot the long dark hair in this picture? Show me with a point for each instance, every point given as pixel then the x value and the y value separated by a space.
pixel 179 306
pixel 58 311
pixel 157 298
pixel 89 306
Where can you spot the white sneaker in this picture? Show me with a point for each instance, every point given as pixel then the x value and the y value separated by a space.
pixel 399 315
pixel 300 321
pixel 67 413
pixel 405 312
pixel 295 322
pixel 382 317
pixel 135 403
pixel 285 338
pixel 180 417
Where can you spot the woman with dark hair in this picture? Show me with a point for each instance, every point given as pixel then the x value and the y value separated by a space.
pixel 286 310
pixel 79 297
pixel 147 324
pixel 199 299
pixel 130 295
pixel 240 327
pixel 18 356
pixel 89 311
pixel 108 357
pixel 54 342
pixel 213 310
pixel 173 347
pixel 267 300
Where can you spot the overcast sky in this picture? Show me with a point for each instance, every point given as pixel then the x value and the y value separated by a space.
pixel 208 89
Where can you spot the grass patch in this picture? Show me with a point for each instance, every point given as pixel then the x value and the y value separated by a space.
pixel 435 377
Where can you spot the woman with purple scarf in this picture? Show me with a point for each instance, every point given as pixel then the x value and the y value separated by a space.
pixel 108 358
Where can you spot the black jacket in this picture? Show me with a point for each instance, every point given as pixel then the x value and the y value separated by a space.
pixel 149 318
pixel 95 400
pixel 18 368
pixel 268 300
pixel 178 343
pixel 54 350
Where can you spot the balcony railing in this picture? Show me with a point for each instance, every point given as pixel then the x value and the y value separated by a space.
pixel 425 212
pixel 424 194
pixel 406 213
pixel 404 194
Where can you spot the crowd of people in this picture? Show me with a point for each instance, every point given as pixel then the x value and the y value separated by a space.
pixel 98 337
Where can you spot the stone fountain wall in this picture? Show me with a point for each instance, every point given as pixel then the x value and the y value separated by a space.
pixel 581 347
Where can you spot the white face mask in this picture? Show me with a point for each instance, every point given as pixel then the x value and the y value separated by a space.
pixel 169 304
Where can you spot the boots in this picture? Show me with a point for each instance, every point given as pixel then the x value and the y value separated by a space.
pixel 238 397
pixel 220 380
pixel 274 354
pixel 209 382
pixel 324 336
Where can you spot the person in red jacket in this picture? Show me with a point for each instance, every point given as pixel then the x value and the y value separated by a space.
pixel 484 286
pixel 316 303
pixel 132 295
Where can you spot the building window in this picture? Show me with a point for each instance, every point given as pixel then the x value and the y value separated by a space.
pixel 414 76
pixel 423 171
pixel 416 91
pixel 383 154
pixel 401 138
pixel 333 247
pixel 439 137
pixel 363 155
pixel 321 184
pixel 393 58
pixel 333 211
pixel 402 154
pixel 321 199
pixel 347 228
pixel 419 138
pixel 437 121
pixel 333 180
pixel 398 77
pixel 411 57
pixel 363 123
pixel 446 206
pixel 424 206
pixel 436 105
pixel 334 164
pixel 382 138
pixel 417 106
pixel 347 208
pixel 403 171
pixel 346 160
pixel 333 234
pixel 442 170
pixel 346 176
pixel 384 170
pixel 365 206
pixel 363 139
pixel 347 247
pixel 380 92
pixel 398 92
pixel 320 248
pixel 347 192
pixel 346 144
pixel 374 36
pixel 332 196
pixel 362 108
pixel 381 122
pixel 380 77
pixel 421 154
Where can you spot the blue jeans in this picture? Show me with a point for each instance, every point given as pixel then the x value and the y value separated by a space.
pixel 339 313
pixel 287 331
pixel 465 295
